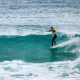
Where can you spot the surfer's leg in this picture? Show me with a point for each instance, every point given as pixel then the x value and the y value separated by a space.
pixel 52 41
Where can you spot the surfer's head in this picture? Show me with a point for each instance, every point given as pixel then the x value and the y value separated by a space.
pixel 52 28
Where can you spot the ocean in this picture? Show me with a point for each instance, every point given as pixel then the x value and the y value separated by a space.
pixel 25 42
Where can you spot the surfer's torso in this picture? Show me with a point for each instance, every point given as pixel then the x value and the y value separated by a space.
pixel 53 32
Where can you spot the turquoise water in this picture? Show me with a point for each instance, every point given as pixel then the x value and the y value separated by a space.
pixel 35 48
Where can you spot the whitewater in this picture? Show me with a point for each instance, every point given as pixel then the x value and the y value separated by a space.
pixel 25 42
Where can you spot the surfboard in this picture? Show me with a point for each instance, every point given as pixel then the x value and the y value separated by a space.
pixel 53 47
pixel 63 44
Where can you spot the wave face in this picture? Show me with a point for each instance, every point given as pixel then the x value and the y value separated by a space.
pixel 36 48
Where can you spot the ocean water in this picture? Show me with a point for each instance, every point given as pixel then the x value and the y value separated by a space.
pixel 25 52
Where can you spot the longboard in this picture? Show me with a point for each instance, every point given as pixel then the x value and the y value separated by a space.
pixel 54 47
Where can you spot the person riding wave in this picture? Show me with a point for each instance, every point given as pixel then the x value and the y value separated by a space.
pixel 54 35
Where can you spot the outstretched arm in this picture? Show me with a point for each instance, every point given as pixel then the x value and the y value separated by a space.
pixel 49 30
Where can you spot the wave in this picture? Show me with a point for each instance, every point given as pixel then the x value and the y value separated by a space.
pixel 36 48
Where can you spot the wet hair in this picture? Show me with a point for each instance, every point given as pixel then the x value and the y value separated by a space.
pixel 52 28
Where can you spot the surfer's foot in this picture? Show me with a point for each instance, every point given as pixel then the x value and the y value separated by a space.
pixel 54 45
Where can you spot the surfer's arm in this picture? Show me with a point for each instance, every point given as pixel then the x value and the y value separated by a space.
pixel 49 30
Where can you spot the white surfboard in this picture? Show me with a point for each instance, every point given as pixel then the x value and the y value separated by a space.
pixel 64 43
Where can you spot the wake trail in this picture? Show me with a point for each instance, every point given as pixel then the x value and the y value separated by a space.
pixel 71 41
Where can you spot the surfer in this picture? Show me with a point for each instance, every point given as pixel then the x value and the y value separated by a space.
pixel 54 35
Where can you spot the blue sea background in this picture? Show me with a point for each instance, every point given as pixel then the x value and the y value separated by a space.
pixel 25 42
